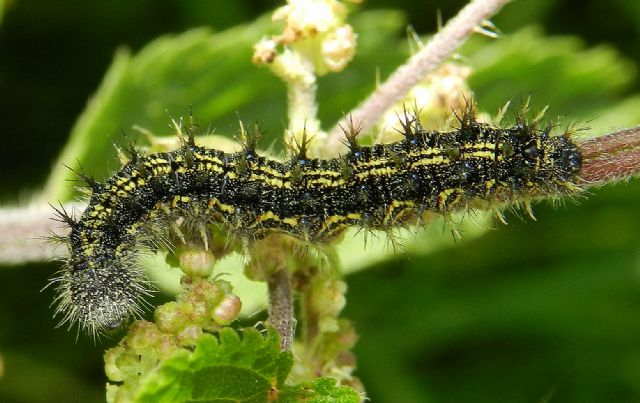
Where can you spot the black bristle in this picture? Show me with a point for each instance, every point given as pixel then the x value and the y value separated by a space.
pixel 468 117
pixel 301 148
pixel 409 123
pixel 351 134
pixel 63 217
pixel 87 180
pixel 249 139
pixel 192 129
pixel 132 152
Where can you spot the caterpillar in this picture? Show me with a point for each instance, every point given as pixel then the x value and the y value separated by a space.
pixel 382 187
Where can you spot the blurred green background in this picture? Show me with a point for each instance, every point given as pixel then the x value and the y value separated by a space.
pixel 533 311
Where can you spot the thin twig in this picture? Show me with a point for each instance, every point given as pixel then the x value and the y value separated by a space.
pixel 439 49
pixel 23 233
pixel 611 158
pixel 281 314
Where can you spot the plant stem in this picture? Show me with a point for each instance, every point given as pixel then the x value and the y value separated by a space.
pixel 440 48
pixel 281 314
pixel 610 158
pixel 23 233
pixel 301 98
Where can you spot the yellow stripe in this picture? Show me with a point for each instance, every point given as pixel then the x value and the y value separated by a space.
pixel 438 160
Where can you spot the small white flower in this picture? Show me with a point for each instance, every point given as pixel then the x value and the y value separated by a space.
pixel 339 47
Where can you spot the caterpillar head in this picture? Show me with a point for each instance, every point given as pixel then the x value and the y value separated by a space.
pixel 98 292
pixel 535 160
pixel 566 157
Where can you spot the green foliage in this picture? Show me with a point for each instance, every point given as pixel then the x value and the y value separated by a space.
pixel 245 367
pixel 321 390
pixel 232 368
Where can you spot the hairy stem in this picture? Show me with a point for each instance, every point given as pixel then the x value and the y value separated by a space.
pixel 610 158
pixel 24 230
pixel 299 75
pixel 301 99
pixel 440 48
pixel 281 314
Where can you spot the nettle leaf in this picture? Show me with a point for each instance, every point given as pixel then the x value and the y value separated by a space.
pixel 231 367
pixel 235 367
pixel 322 390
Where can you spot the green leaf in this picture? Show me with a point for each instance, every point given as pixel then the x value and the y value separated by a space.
pixel 238 367
pixel 232 368
pixel 322 390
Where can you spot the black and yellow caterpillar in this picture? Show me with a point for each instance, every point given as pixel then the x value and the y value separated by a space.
pixel 379 187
